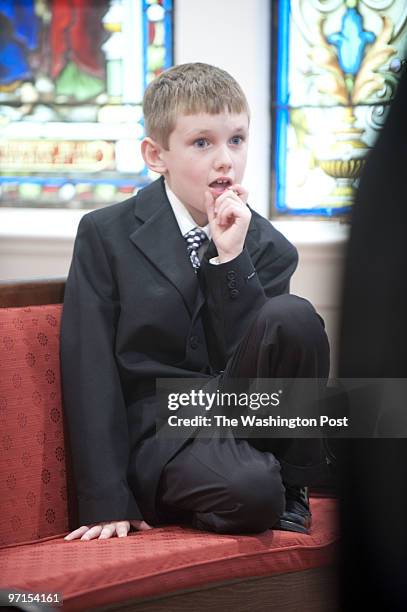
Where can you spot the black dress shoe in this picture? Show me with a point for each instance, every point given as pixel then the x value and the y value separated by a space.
pixel 297 515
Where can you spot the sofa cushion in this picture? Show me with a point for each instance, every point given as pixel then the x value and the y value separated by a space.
pixel 32 451
pixel 164 560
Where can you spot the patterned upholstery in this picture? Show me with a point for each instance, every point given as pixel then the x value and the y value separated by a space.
pixel 164 560
pixel 32 453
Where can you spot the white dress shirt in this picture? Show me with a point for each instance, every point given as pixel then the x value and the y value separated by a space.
pixel 186 222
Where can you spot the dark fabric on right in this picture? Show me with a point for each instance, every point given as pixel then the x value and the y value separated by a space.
pixel 374 344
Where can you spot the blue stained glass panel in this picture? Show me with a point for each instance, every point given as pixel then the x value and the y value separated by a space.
pixel 337 66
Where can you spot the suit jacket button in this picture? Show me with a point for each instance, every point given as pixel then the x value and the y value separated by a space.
pixel 234 293
pixel 231 275
pixel 193 342
pixel 232 284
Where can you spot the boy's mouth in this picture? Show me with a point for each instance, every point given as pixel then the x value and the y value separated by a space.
pixel 219 186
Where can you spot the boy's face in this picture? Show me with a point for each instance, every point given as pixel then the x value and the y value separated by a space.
pixel 206 153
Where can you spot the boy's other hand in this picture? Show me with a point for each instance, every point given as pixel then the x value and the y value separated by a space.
pixel 103 531
pixel 229 219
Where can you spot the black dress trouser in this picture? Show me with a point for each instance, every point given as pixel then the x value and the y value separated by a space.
pixel 234 485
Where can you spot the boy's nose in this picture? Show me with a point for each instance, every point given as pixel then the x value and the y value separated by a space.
pixel 223 159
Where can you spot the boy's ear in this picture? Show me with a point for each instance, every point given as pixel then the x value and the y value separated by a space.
pixel 151 152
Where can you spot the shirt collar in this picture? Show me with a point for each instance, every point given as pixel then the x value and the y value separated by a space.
pixel 182 215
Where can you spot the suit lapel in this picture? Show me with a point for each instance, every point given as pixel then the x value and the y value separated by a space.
pixel 160 239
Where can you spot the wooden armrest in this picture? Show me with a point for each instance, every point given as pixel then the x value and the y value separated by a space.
pixel 31 292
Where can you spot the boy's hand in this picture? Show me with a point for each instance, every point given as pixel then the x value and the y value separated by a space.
pixel 229 219
pixel 102 531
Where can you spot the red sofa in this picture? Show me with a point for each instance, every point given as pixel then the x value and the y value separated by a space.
pixel 169 568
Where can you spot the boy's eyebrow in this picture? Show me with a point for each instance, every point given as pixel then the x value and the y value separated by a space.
pixel 204 131
pixel 198 131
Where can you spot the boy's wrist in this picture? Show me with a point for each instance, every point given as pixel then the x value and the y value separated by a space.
pixel 225 257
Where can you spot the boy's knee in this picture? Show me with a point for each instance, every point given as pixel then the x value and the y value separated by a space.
pixel 258 498
pixel 293 316
pixel 286 308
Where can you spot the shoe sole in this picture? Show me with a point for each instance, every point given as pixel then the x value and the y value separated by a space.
pixel 284 525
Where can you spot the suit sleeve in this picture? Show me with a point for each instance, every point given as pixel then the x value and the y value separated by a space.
pixel 93 401
pixel 236 290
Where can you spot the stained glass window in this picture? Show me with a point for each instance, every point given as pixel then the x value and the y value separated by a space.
pixel 336 68
pixel 72 77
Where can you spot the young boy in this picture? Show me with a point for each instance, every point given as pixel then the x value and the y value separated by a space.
pixel 184 280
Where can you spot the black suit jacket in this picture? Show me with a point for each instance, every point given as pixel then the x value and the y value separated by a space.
pixel 135 310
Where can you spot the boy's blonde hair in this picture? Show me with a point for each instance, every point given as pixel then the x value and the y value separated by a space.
pixel 189 89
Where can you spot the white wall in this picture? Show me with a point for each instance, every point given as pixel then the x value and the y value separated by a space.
pixel 235 35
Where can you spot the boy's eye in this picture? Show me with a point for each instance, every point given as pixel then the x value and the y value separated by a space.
pixel 237 140
pixel 201 143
